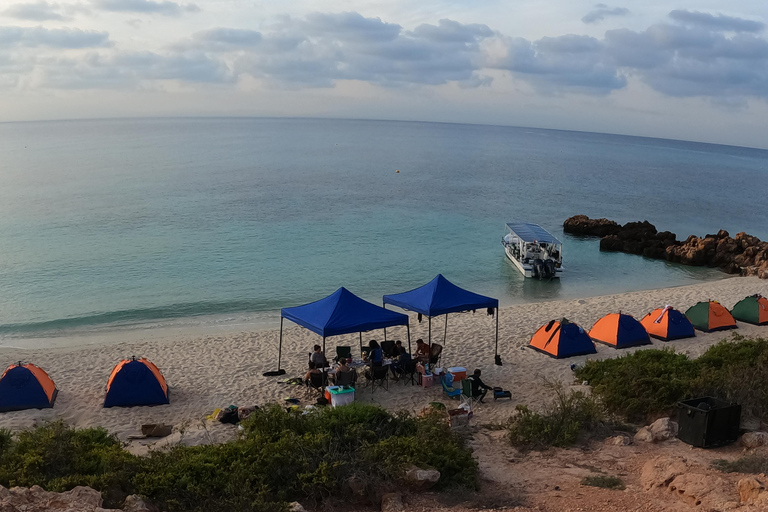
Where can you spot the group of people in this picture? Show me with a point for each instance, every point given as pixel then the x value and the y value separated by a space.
pixel 374 357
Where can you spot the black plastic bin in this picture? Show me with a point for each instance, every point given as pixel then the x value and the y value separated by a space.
pixel 708 422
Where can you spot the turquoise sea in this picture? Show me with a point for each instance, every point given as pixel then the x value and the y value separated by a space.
pixel 134 224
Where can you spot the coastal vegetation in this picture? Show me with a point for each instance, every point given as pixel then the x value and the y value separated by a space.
pixel 354 452
pixel 647 383
pixel 604 482
pixel 755 463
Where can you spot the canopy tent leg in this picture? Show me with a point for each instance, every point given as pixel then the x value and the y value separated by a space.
pixel 430 333
pixel 323 345
pixel 361 344
pixel 385 334
pixel 408 331
pixel 445 333
pixel 497 357
pixel 280 345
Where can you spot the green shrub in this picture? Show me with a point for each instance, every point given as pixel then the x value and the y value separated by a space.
pixel 641 383
pixel 754 464
pixel 570 417
pixel 650 382
pixel 604 482
pixel 59 458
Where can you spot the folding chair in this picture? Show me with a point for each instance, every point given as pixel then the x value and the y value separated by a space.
pixel 448 389
pixel 434 354
pixel 466 393
pixel 317 381
pixel 379 377
pixel 409 372
pixel 343 352
pixel 389 348
pixel 346 378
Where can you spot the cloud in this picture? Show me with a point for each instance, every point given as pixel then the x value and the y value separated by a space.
pixel 69 38
pixel 602 11
pixel 718 23
pixel 223 39
pixel 40 11
pixel 145 6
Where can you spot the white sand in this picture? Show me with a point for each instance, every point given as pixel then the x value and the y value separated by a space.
pixel 217 370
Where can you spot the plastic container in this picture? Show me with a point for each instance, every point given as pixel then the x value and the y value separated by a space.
pixel 341 395
pixel 707 422
pixel 458 372
pixel 426 381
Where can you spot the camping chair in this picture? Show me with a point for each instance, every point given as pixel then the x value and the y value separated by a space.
pixel 317 381
pixel 409 372
pixel 379 377
pixel 346 378
pixel 448 389
pixel 343 353
pixel 389 348
pixel 466 393
pixel 434 354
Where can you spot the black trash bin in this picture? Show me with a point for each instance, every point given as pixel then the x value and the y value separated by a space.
pixel 708 422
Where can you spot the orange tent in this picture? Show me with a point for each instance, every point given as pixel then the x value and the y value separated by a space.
pixel 562 339
pixel 667 324
pixel 26 386
pixel 136 382
pixel 619 331
pixel 710 316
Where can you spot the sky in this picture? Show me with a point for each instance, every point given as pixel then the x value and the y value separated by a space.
pixel 690 70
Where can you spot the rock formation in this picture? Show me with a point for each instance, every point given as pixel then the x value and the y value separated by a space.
pixel 743 254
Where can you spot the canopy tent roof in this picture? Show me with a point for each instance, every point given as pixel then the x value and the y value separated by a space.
pixel 342 312
pixel 532 232
pixel 439 297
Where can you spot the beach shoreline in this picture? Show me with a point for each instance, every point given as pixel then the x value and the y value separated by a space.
pixel 214 370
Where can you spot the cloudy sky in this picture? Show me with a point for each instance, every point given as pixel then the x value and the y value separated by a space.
pixel 693 70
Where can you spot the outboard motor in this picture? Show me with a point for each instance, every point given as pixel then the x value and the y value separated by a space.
pixel 550 268
pixel 538 268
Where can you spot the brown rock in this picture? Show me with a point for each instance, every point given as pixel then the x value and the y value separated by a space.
pixel 663 429
pixel 644 435
pixel 35 498
pixel 619 441
pixel 135 503
pixel 583 225
pixel 754 439
pixel 660 471
pixel 296 507
pixel 392 502
pixel 750 489
pixel 421 479
pixel 696 489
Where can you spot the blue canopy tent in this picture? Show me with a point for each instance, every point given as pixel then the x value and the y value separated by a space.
pixel 342 312
pixel 440 297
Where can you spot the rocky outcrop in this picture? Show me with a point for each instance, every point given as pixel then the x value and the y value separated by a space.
pixel 392 502
pixel 37 499
pixel 420 479
pixel 691 485
pixel 743 254
pixel 752 491
pixel 662 429
pixel 754 439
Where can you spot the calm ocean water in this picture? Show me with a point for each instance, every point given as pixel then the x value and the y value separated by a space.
pixel 161 222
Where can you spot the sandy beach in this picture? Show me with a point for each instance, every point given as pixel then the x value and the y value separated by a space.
pixel 212 371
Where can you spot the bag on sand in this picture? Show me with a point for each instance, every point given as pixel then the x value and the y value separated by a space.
pixel 230 415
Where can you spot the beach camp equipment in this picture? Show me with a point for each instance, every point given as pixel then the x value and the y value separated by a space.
pixel 752 310
pixel 26 386
pixel 667 324
pixel 135 382
pixel 441 297
pixel 342 312
pixel 710 316
pixel 619 330
pixel 562 338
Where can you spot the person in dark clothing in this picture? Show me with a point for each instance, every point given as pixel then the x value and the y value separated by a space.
pixel 398 366
pixel 479 388
pixel 375 355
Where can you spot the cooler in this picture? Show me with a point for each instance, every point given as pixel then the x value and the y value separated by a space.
pixel 426 381
pixel 341 395
pixel 459 373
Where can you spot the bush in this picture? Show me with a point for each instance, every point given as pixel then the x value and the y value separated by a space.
pixel 650 382
pixel 281 456
pixel 570 417
pixel 604 482
pixel 641 383
pixel 754 464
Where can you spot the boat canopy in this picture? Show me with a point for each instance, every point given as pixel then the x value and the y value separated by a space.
pixel 532 232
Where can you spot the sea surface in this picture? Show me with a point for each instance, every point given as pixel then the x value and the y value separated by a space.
pixel 217 223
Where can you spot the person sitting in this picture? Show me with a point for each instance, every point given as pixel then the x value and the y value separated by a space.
pixel 398 366
pixel 375 354
pixel 344 374
pixel 479 388
pixel 422 351
pixel 318 357
pixel 312 370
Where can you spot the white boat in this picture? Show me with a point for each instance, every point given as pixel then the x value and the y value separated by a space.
pixel 533 250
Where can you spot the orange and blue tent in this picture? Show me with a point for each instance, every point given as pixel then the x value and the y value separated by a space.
pixel 710 316
pixel 136 382
pixel 619 331
pixel 26 386
pixel 752 309
pixel 667 324
pixel 562 339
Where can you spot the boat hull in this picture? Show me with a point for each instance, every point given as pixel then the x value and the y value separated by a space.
pixel 525 269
